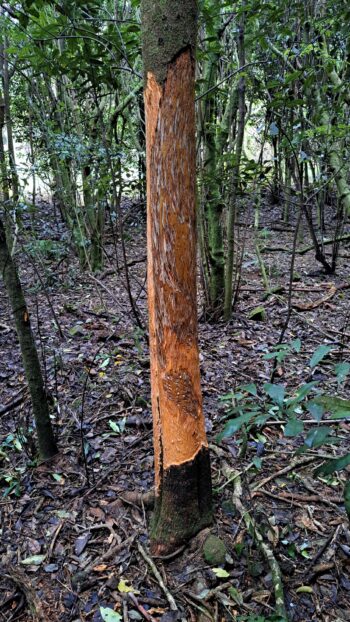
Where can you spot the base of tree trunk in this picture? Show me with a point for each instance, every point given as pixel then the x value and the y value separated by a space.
pixel 183 505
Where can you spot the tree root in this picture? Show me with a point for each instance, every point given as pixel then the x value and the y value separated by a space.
pixel 20 579
pixel 141 499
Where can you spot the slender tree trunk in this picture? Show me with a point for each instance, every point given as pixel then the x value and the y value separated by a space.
pixel 212 195
pixel 182 464
pixel 8 270
pixel 8 119
pixel 235 175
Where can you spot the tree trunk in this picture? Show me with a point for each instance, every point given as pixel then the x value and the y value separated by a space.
pixel 235 173
pixel 8 270
pixel 183 483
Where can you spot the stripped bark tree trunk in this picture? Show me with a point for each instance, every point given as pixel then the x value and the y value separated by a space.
pixel 182 465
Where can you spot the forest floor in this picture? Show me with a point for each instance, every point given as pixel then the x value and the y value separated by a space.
pixel 70 543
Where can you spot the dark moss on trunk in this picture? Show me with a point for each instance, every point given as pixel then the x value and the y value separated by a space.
pixel 186 486
pixel 8 271
pixel 166 33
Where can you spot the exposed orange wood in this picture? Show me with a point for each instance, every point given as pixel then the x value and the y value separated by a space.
pixel 179 429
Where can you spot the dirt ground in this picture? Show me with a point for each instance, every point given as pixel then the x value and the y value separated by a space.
pixel 71 543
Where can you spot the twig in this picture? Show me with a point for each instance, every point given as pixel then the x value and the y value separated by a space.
pixel 296 464
pixel 319 497
pixel 53 541
pixel 148 560
pixel 288 500
pixel 140 608
pixel 264 548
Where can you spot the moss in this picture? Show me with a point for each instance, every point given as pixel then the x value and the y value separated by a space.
pixel 168 27
pixel 214 551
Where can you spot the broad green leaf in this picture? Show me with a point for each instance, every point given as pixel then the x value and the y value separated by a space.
pixel 108 615
pixel 333 465
pixel 220 573
pixel 316 410
pixel 250 388
pixel 305 389
pixel 317 436
pixel 342 370
pixel 319 354
pixel 233 425
pixel 338 406
pixel 294 427
pixel 276 392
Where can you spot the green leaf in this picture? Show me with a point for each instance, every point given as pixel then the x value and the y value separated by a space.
pixel 316 410
pixel 304 589
pixel 319 354
pixel 318 436
pixel 333 465
pixel 114 426
pixel 236 595
pixel 233 425
pixel 294 427
pixel 104 363
pixel 250 388
pixel 34 560
pixel 108 615
pixel 296 345
pixel 338 406
pixel 257 462
pixel 305 389
pixel 220 573
pixel 276 392
pixel 342 370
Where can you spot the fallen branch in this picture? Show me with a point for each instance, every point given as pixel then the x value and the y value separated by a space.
pixel 153 567
pixel 311 247
pixel 265 549
pixel 308 306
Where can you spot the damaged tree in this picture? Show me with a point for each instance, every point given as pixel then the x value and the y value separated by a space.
pixel 182 466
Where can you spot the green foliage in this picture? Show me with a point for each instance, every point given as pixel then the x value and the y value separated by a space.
pixel 251 408
pixel 47 249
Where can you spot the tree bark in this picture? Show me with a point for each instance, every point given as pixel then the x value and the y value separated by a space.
pixel 182 465
pixel 8 271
